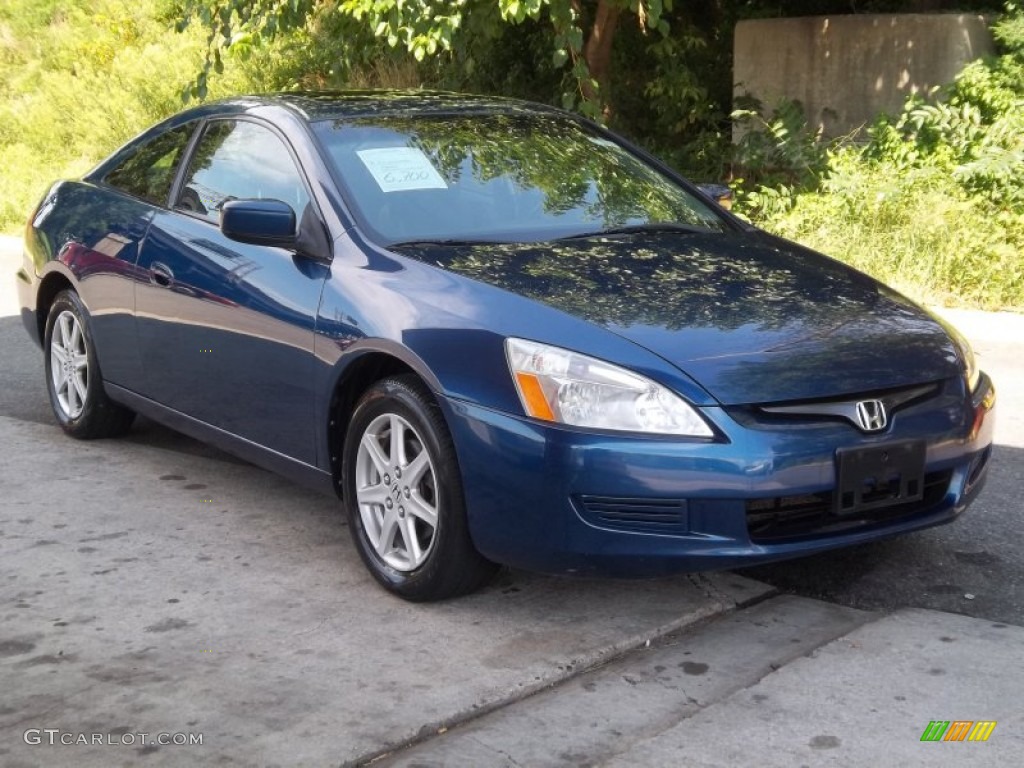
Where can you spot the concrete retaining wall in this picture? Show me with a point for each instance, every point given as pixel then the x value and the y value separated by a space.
pixel 845 70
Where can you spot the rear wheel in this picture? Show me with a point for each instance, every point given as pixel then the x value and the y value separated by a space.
pixel 403 493
pixel 73 379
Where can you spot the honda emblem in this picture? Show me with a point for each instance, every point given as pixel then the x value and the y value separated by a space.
pixel 871 415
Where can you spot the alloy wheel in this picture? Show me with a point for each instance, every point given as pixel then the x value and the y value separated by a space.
pixel 396 490
pixel 69 365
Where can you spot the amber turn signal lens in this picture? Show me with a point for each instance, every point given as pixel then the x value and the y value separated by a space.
pixel 533 396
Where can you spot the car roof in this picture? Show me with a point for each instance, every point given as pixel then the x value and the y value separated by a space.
pixel 314 106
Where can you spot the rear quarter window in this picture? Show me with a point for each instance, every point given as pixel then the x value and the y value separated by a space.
pixel 149 172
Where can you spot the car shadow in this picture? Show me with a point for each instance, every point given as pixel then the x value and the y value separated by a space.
pixel 22 389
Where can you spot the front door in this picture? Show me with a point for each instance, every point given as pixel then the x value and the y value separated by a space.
pixel 225 328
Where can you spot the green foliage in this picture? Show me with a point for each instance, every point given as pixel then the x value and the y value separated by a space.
pixel 942 179
pixel 974 129
pixel 509 59
pixel 671 92
pixel 776 156
pixel 918 230
pixel 422 28
pixel 933 201
pixel 77 79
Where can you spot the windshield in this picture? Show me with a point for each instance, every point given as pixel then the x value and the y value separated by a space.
pixel 509 177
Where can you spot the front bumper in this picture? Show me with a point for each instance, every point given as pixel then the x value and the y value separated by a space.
pixel 27 286
pixel 538 496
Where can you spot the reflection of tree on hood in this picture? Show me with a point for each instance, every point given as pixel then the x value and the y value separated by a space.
pixel 669 280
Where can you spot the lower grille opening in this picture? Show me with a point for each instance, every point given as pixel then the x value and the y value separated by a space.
pixel 787 517
pixel 636 514
pixel 978 468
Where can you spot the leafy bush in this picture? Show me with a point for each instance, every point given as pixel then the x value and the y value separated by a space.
pixel 932 202
pixel 776 157
pixel 77 79
pixel 918 230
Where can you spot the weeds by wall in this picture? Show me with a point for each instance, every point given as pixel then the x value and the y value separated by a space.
pixel 931 201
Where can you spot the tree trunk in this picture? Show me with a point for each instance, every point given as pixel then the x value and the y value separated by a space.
pixel 597 51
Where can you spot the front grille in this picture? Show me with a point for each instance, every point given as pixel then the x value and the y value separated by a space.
pixel 788 517
pixel 636 514
pixel 811 413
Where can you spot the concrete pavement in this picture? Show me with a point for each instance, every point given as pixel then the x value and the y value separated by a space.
pixel 150 590
pixel 788 682
pixel 865 700
pixel 10 262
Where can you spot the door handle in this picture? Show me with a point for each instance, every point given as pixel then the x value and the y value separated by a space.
pixel 161 274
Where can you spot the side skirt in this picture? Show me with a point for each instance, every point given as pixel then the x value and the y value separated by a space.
pixel 300 472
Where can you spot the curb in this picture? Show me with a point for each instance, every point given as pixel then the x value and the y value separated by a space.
pixel 727 593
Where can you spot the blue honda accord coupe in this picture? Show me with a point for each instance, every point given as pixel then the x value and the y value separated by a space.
pixel 502 335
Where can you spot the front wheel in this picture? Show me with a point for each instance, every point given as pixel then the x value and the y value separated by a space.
pixel 73 380
pixel 403 493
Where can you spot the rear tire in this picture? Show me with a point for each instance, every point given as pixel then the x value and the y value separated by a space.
pixel 73 378
pixel 403 495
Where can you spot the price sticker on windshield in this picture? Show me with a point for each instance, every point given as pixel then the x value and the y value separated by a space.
pixel 397 169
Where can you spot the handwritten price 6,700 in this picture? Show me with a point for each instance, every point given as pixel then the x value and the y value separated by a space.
pixel 406 176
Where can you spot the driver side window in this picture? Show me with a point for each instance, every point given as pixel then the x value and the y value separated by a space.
pixel 237 159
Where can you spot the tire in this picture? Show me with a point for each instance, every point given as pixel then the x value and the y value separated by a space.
pixel 407 512
pixel 73 378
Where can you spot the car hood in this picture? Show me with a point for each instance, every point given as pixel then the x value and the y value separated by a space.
pixel 750 317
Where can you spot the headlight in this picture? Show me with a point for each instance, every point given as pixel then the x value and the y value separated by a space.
pixel 568 388
pixel 972 373
pixel 971 369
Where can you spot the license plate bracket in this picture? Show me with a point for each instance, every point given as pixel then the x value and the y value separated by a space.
pixel 879 476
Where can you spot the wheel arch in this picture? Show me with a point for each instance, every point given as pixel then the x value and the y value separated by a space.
pixel 361 369
pixel 50 285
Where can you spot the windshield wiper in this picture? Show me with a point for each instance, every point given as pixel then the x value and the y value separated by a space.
pixel 630 229
pixel 444 241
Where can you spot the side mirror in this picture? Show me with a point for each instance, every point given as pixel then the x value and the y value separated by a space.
pixel 720 193
pixel 259 222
